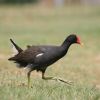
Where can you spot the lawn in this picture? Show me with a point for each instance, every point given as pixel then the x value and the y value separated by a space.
pixel 39 25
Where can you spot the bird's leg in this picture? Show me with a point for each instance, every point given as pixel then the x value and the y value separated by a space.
pixel 28 76
pixel 56 79
pixel 46 78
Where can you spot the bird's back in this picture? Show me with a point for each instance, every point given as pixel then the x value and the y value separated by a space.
pixel 38 55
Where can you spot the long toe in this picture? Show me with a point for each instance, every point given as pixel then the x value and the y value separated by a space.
pixel 65 81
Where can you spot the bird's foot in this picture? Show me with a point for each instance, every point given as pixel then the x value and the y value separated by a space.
pixel 57 79
pixel 62 80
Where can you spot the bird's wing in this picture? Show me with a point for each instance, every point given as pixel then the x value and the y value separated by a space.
pixel 29 54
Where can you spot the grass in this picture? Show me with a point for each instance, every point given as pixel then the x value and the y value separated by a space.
pixel 39 25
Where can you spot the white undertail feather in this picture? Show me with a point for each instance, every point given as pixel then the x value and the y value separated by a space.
pixel 14 51
pixel 18 65
pixel 28 67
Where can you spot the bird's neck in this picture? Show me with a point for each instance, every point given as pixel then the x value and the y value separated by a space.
pixel 65 46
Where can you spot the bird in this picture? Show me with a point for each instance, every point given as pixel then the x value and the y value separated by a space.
pixel 40 57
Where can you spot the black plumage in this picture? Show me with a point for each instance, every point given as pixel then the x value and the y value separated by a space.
pixel 40 57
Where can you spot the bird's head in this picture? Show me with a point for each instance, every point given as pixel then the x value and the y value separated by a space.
pixel 74 39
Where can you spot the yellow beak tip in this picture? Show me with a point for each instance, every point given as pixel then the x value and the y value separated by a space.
pixel 82 44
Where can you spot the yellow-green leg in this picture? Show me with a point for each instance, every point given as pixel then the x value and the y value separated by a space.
pixel 46 78
pixel 28 76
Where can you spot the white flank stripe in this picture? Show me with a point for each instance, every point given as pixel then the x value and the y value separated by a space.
pixel 39 55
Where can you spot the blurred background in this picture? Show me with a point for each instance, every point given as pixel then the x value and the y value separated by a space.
pixel 49 22
pixel 51 2
pixel 35 17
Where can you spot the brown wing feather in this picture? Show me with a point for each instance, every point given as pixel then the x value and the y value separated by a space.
pixel 27 55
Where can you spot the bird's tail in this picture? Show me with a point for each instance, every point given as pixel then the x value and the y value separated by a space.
pixel 16 46
pixel 16 49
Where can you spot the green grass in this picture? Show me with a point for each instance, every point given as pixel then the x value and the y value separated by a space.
pixel 39 25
